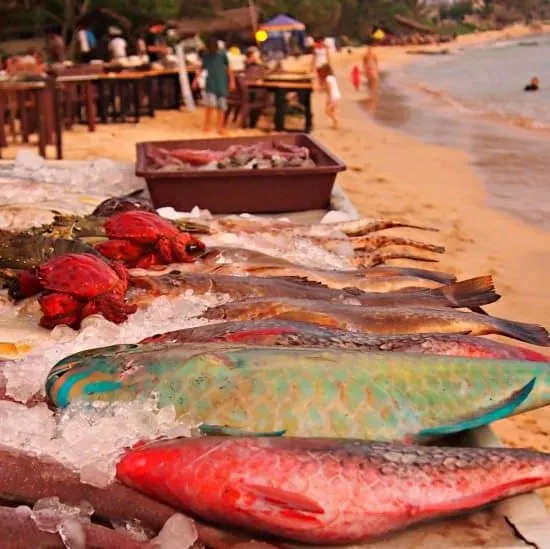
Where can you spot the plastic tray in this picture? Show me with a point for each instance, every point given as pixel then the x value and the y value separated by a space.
pixel 274 190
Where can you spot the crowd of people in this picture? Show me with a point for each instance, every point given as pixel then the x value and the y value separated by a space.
pixel 216 78
pixel 114 45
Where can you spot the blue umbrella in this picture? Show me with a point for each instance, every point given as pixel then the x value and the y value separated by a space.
pixel 281 23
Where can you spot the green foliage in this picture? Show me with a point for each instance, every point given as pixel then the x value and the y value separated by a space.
pixel 457 10
pixel 354 18
pixel 458 29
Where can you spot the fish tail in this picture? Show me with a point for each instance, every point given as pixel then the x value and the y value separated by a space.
pixel 473 292
pixel 499 411
pixel 528 333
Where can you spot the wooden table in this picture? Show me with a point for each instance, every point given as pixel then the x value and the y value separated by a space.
pixel 168 91
pixel 48 117
pixel 87 81
pixel 280 88
pixel 125 86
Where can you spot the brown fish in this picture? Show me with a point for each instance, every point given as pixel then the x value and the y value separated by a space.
pixel 237 224
pixel 236 262
pixel 216 256
pixel 379 320
pixel 468 293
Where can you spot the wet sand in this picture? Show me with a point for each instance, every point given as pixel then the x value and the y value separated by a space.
pixel 392 174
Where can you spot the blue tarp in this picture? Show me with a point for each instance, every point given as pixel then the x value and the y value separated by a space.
pixel 283 23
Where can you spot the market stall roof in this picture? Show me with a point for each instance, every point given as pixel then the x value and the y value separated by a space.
pixel 412 24
pixel 237 19
pixel 282 23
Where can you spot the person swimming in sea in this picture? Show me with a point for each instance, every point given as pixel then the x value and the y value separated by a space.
pixel 533 85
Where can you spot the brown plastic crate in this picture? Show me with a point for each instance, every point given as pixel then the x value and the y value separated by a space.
pixel 243 190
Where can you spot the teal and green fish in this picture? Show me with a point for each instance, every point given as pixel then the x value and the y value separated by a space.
pixel 306 392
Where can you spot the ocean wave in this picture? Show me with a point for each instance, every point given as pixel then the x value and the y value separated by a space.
pixel 486 111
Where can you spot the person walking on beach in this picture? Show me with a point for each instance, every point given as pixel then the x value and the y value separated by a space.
pixel 370 66
pixel 321 57
pixel 333 94
pixel 219 82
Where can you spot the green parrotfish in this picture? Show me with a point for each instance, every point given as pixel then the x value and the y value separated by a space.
pixel 306 392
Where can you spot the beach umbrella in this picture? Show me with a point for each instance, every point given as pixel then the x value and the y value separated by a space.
pixel 281 23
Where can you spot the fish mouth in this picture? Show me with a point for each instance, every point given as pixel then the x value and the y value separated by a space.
pixel 56 373
pixel 69 363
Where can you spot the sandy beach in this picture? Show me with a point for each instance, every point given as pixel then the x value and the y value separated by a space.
pixel 396 176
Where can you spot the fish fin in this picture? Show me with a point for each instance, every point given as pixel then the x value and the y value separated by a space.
pixel 529 333
pixel 479 310
pixel 473 292
pixel 283 498
pixel 302 280
pixel 226 431
pixel 499 411
pixel 245 334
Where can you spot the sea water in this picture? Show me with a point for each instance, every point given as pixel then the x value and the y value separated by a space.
pixel 473 99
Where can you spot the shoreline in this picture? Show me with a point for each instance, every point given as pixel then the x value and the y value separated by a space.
pixel 393 174
pixel 511 160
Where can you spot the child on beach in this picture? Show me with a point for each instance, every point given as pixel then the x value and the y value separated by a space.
pixel 356 77
pixel 219 81
pixel 333 94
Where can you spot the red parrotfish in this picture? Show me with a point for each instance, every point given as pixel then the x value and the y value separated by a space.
pixel 286 333
pixel 326 491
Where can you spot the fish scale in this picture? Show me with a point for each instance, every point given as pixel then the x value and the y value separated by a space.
pixel 307 392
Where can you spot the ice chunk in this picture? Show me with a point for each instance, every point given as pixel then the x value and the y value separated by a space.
pixel 169 213
pixel 49 513
pixel 178 532
pixel 336 216
pixel 72 533
pixel 133 528
pixel 196 213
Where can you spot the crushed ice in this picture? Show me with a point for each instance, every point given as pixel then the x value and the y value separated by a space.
pixel 26 376
pixel 107 176
pixel 49 513
pixel 300 250
pixel 90 438
pixel 178 532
